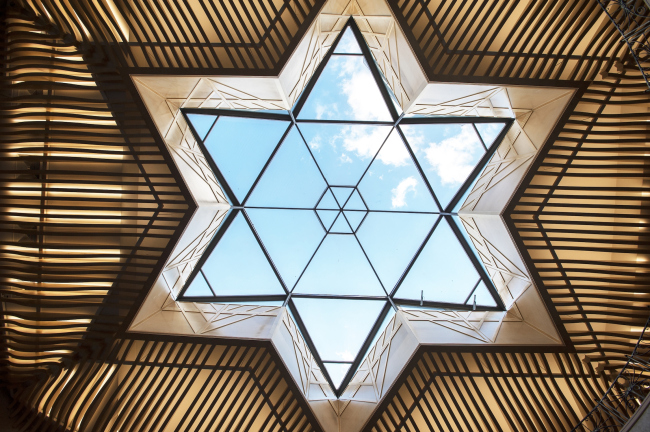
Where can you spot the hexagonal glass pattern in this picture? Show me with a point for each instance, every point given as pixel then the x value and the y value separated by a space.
pixel 343 209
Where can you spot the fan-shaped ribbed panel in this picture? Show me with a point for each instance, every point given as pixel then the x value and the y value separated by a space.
pixel 165 385
pixel 580 219
pixel 522 41
pixel 91 202
pixel 192 34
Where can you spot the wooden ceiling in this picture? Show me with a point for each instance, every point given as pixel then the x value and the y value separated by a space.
pixel 93 204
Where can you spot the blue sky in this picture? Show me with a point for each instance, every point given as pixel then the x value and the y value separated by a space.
pixel 389 218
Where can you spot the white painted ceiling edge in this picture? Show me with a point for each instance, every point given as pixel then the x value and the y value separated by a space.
pixel 526 321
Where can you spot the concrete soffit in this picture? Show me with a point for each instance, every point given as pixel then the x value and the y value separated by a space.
pixel 526 321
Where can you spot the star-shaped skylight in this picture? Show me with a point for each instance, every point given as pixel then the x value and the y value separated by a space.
pixel 343 208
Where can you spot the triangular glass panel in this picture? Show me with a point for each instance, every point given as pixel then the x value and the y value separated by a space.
pixel 345 90
pixel 240 147
pixel 338 327
pixel 354 218
pixel 401 235
pixel 355 202
pixel 238 266
pixel 348 43
pixel 489 132
pixel 292 178
pixel 328 202
pixel 442 273
pixel 327 217
pixel 343 151
pixel 483 296
pixel 201 123
pixel 198 288
pixel 290 237
pixel 337 372
pixel 342 194
pixel 447 154
pixel 339 267
pixel 393 182
pixel 340 226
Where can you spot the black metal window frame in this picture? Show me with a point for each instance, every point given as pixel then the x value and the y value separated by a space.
pixel 447 213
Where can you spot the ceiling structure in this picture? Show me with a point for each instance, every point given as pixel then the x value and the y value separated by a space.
pixel 95 203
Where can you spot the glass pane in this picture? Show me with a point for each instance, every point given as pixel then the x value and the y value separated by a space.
pixel 343 152
pixel 341 225
pixel 443 270
pixel 355 202
pixel 291 179
pixel 483 296
pixel 391 240
pixel 328 202
pixel 346 90
pixel 348 43
pixel 198 288
pixel 393 182
pixel 338 327
pixel 447 154
pixel 327 217
pixel 342 194
pixel 237 265
pixel 337 372
pixel 354 218
pixel 202 123
pixel 339 267
pixel 240 147
pixel 489 132
pixel 290 238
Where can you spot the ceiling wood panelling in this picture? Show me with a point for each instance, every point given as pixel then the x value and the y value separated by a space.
pixel 92 205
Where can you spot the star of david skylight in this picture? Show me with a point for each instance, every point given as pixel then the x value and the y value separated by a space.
pixel 343 209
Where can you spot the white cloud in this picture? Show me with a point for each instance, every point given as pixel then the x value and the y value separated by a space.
pixel 358 84
pixel 345 158
pixel 327 110
pixel 452 158
pixel 315 142
pixel 399 193
pixel 345 355
pixel 365 141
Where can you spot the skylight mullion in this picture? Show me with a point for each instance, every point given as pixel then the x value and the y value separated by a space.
pixel 479 136
pixel 442 305
pixel 359 122
pixel 474 259
pixel 369 262
pixel 238 298
pixel 304 141
pixel 266 253
pixel 303 270
pixel 415 257
pixel 262 115
pixel 418 166
pixel 338 296
pixel 268 161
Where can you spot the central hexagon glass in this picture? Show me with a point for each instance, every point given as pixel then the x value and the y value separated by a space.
pixel 344 208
